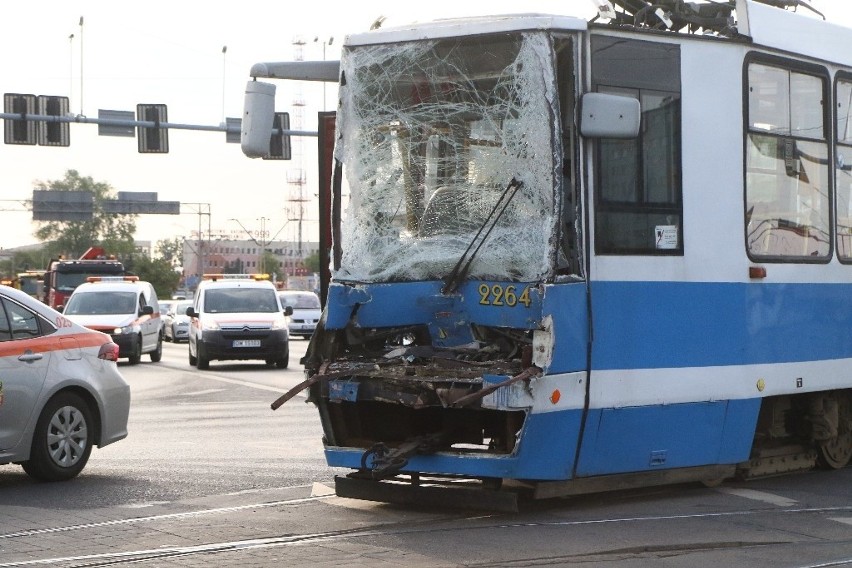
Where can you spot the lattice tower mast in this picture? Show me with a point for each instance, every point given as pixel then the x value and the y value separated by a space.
pixel 296 178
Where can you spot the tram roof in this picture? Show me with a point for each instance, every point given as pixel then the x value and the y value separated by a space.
pixel 784 30
pixel 761 23
pixel 477 25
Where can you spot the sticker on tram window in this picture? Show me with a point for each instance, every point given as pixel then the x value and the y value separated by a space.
pixel 499 295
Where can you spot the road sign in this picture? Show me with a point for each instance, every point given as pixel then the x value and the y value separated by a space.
pixel 51 205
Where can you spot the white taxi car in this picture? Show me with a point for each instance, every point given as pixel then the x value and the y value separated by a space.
pixel 60 389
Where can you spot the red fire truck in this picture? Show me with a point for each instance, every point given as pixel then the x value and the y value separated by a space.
pixel 63 276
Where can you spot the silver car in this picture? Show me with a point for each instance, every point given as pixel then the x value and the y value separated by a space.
pixel 60 389
pixel 306 311
pixel 176 322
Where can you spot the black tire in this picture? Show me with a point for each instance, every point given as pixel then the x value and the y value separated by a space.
pixel 136 356
pixel 157 353
pixel 284 361
pixel 202 362
pixel 836 453
pixel 62 441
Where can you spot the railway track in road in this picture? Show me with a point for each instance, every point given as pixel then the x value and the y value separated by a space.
pixel 382 525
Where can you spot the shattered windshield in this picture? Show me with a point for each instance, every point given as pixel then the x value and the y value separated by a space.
pixel 432 133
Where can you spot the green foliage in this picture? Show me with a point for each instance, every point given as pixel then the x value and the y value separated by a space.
pixel 171 251
pixel 72 238
pixel 312 262
pixel 158 272
pixel 22 261
pixel 269 264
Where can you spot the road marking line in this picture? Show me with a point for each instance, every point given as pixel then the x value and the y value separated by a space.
pixel 197 393
pixel 321 490
pixel 844 520
pixel 278 390
pixel 144 505
pixel 763 496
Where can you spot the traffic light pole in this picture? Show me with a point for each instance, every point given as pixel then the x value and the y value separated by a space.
pixel 227 128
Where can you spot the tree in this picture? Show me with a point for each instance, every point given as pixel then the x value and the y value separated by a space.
pixel 271 265
pixel 312 262
pixel 21 261
pixel 158 272
pixel 171 251
pixel 113 232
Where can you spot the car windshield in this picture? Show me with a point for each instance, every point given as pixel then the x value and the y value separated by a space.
pixel 240 300
pixel 179 309
pixel 101 303
pixel 301 301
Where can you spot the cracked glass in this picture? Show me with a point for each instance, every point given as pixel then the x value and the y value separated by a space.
pixel 431 134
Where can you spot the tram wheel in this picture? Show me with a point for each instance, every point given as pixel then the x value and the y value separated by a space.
pixel 836 452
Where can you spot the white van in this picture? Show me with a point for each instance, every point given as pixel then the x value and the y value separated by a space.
pixel 125 308
pixel 238 317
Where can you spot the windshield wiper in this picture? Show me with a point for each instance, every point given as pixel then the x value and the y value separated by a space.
pixel 460 270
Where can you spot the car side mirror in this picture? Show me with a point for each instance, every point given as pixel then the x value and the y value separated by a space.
pixel 288 310
pixel 190 311
pixel 146 310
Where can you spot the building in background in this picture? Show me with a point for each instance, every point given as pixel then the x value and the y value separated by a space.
pixel 225 255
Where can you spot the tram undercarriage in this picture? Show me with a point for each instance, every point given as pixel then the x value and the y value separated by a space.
pixel 799 432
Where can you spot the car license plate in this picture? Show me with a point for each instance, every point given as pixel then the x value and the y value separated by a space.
pixel 247 343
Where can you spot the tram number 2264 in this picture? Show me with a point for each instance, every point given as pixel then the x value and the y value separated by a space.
pixel 498 295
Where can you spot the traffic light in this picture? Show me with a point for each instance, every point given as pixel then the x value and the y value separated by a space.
pixel 53 133
pixel 279 144
pixel 19 131
pixel 152 140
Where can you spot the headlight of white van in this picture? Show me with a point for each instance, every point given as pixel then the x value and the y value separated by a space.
pixel 279 323
pixel 209 325
pixel 126 329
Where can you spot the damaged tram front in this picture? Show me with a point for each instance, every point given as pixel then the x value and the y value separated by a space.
pixel 459 253
pixel 461 208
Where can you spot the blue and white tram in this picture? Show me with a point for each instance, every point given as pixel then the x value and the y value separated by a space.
pixel 579 255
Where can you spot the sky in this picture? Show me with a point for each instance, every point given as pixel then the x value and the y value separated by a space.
pixel 159 52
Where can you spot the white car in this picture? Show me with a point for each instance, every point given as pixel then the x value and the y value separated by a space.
pixel 176 322
pixel 124 307
pixel 306 311
pixel 60 390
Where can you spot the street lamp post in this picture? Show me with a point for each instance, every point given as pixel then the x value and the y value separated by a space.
pixel 81 65
pixel 325 43
pixel 224 66
pixel 70 65
pixel 201 209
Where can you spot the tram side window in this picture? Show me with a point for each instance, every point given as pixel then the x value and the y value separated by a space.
pixel 843 169
pixel 638 197
pixel 788 213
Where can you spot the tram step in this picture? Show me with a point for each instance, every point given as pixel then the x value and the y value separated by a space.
pixel 447 495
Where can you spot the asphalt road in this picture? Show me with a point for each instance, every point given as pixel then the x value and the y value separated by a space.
pixel 194 433
pixel 211 476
